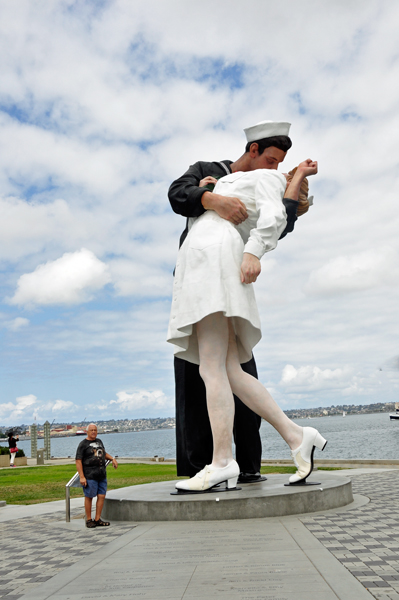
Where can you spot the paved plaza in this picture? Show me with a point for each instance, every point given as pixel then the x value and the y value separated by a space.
pixel 351 553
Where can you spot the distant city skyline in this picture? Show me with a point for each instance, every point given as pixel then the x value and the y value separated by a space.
pixel 166 422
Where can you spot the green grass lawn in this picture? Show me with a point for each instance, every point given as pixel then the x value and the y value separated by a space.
pixel 31 485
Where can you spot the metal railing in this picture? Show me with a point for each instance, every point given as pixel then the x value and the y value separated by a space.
pixel 74 482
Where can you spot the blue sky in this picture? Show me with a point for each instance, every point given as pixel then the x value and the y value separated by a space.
pixel 102 105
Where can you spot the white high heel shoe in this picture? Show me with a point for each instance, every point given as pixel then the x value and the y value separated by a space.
pixel 303 456
pixel 211 476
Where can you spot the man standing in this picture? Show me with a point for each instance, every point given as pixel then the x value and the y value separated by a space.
pixel 267 145
pixel 90 464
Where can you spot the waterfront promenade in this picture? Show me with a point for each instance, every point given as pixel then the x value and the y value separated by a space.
pixel 350 553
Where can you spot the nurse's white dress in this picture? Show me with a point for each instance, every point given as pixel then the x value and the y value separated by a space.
pixel 207 277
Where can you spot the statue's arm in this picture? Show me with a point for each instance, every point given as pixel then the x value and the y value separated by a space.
pixel 185 195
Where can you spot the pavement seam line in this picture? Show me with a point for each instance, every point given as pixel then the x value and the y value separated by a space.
pixel 367 543
pixel 310 560
pixel 321 549
pixel 192 575
pixel 82 568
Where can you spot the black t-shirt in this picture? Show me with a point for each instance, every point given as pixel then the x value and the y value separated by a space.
pixel 92 455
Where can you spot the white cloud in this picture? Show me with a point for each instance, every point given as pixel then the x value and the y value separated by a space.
pixel 310 378
pixel 106 103
pixel 71 279
pixel 142 399
pixel 27 408
pixel 392 364
pixel 62 406
pixel 28 227
pixel 16 411
pixel 140 278
pixel 23 402
pixel 34 153
pixel 361 271
pixel 16 324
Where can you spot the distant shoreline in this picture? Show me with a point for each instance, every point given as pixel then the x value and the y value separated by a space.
pixel 26 438
pixel 159 423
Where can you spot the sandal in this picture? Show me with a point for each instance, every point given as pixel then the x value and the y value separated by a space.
pixel 90 523
pixel 101 523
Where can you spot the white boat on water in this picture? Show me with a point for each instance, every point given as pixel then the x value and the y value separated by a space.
pixel 344 414
pixel 395 416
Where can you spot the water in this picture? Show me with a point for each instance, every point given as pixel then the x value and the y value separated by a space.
pixel 134 443
pixel 355 436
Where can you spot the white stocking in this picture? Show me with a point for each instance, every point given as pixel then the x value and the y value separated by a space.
pixel 222 374
pixel 257 398
pixel 213 336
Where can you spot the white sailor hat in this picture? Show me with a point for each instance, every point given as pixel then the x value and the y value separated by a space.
pixel 266 129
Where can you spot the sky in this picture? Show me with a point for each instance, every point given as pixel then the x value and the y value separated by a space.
pixel 102 105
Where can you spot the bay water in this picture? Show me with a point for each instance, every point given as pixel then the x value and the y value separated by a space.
pixel 372 436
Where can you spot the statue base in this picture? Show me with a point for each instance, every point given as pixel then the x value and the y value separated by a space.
pixel 271 498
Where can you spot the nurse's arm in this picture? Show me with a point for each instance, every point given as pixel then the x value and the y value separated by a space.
pixel 250 268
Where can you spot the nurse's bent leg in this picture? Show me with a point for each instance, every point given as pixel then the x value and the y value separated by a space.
pixel 246 430
pixel 257 398
pixel 213 341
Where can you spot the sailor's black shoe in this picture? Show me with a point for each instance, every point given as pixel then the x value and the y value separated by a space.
pixel 251 478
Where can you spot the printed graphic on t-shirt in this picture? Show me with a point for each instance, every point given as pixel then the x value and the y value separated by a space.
pixel 98 450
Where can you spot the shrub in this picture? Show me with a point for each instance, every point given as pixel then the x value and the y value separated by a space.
pixel 5 450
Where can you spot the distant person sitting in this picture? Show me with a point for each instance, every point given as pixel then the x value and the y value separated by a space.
pixel 12 445
pixel 90 463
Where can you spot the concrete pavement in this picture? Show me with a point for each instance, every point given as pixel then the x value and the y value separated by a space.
pixel 351 553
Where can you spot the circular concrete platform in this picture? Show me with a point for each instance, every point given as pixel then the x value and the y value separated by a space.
pixel 154 502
